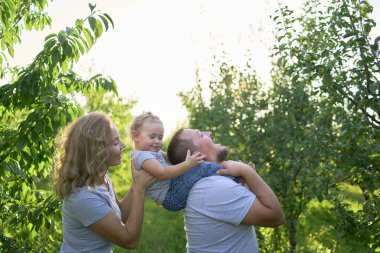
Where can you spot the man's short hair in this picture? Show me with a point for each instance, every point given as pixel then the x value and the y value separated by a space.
pixel 177 148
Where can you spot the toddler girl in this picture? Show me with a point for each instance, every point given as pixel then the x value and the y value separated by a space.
pixel 174 181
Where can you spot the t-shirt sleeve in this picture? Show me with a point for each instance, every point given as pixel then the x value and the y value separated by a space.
pixel 88 207
pixel 223 199
pixel 140 157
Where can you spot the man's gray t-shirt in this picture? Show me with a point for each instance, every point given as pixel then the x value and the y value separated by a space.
pixel 81 209
pixel 215 208
pixel 156 191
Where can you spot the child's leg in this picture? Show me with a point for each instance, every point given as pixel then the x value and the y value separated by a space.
pixel 180 186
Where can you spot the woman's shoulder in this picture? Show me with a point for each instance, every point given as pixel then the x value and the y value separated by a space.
pixel 87 192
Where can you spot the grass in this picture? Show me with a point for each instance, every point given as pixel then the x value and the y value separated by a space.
pixel 163 231
pixel 316 229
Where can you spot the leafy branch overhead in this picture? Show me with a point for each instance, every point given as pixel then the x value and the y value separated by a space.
pixel 38 100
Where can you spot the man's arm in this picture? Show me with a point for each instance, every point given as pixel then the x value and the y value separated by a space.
pixel 265 210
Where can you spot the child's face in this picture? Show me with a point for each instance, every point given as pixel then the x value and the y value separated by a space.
pixel 149 136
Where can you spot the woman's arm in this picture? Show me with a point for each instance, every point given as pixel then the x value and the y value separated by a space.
pixel 155 168
pixel 126 233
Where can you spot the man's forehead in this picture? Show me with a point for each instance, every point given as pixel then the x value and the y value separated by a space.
pixel 190 133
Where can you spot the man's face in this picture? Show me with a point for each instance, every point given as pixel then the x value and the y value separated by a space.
pixel 203 142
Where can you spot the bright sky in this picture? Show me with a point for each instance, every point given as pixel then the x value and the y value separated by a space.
pixel 155 46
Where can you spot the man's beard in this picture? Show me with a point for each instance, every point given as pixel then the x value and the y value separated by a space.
pixel 223 154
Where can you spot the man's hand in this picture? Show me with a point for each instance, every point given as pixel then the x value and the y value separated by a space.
pixel 234 168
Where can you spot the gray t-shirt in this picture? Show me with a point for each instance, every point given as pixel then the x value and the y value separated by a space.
pixel 157 191
pixel 215 208
pixel 81 209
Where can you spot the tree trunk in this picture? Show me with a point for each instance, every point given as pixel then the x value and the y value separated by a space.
pixel 292 235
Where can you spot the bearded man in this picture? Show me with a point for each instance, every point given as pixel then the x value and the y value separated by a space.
pixel 220 214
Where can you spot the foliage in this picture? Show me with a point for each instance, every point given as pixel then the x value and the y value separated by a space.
pixel 34 105
pixel 330 45
pixel 313 130
pixel 15 17
pixel 328 50
pixel 235 100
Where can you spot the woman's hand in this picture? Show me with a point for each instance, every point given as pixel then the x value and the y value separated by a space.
pixel 141 178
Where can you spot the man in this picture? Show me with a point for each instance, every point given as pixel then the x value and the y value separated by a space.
pixel 220 214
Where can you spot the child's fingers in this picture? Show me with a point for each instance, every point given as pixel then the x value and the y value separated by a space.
pixel 252 165
pixel 221 172
pixel 198 154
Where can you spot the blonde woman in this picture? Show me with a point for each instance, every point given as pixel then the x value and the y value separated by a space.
pixel 93 218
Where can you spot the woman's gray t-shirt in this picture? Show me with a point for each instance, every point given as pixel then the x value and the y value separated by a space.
pixel 81 209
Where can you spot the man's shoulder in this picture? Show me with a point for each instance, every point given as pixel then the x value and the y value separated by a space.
pixel 211 165
pixel 215 182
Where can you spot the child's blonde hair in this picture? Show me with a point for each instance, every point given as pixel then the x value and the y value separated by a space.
pixel 81 153
pixel 139 120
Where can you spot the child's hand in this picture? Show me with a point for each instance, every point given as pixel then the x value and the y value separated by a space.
pixel 193 160
pixel 252 165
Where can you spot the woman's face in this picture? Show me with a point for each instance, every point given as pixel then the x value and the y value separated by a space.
pixel 114 148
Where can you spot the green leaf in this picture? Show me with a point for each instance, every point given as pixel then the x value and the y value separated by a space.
pixel 89 38
pixel 79 24
pixel 21 142
pixel 105 21
pixel 92 7
pixel 92 22
pixel 109 18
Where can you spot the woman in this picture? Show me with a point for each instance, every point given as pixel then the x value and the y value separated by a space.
pixel 93 218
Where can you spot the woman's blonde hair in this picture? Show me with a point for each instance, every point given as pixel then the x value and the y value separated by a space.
pixel 81 153
pixel 139 120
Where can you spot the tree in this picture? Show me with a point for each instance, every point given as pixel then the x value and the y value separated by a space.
pixel 329 50
pixel 34 105
pixel 314 132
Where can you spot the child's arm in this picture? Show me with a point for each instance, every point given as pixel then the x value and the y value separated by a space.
pixel 155 168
